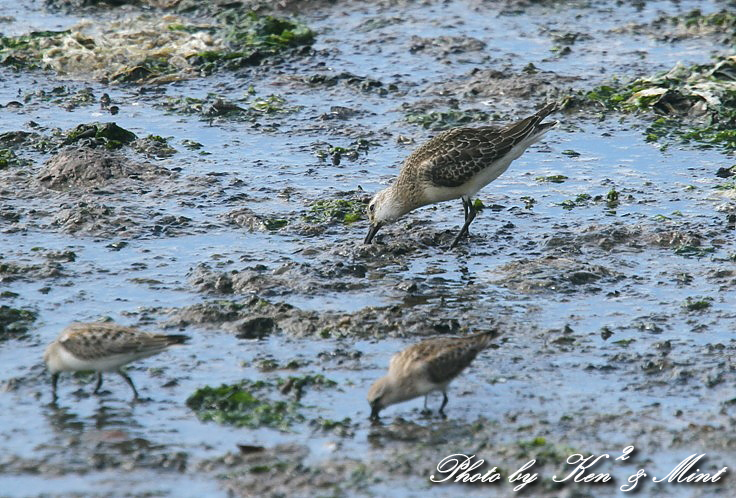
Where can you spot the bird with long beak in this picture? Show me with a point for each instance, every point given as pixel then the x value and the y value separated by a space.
pixel 455 164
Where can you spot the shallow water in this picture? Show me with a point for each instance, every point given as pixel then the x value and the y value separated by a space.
pixel 588 393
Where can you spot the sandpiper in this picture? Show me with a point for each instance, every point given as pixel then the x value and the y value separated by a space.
pixel 424 367
pixel 455 164
pixel 103 347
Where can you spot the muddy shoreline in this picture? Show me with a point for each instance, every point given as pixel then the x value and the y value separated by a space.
pixel 218 188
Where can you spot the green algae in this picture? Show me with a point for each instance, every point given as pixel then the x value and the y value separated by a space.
pixel 551 179
pixel 244 404
pixel 251 38
pixel 695 104
pixel 692 304
pixel 25 51
pixel 297 384
pixel 336 210
pixel 612 198
pixel 150 49
pixel 351 152
pixel 110 135
pixel 726 186
pixel 579 201
pixel 155 146
pixel 9 158
pixel 695 23
pixel 250 108
pixel 247 403
pixel 272 104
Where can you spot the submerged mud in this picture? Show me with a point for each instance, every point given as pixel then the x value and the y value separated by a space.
pixel 200 167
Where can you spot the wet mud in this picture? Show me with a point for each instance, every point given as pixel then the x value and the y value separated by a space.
pixel 205 168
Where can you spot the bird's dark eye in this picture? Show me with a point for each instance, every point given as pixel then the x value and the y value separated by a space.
pixel 372 208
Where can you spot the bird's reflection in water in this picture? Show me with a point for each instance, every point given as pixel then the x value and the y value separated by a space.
pixel 109 421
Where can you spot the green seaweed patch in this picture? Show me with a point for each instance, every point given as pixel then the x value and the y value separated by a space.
pixel 336 210
pixel 251 38
pixel 693 104
pixel 697 303
pixel 250 108
pixel 444 120
pixel 612 198
pixel 579 201
pixel 610 96
pixel 624 343
pixel 722 23
pixel 244 404
pixel 551 179
pixel 726 186
pixel 297 384
pixel 26 51
pixel 351 152
pixel 237 39
pixel 272 104
pixel 110 135
pixel 154 145
pixel 15 322
pixel 342 428
pixel 8 158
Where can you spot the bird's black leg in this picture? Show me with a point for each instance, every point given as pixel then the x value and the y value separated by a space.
pixel 468 220
pixel 54 380
pixel 130 383
pixel 99 383
pixel 426 411
pixel 444 403
pixel 465 208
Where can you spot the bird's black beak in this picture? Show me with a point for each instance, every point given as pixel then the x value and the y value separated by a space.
pixel 375 408
pixel 372 233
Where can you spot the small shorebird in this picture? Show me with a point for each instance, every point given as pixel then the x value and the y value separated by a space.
pixel 103 347
pixel 455 164
pixel 424 367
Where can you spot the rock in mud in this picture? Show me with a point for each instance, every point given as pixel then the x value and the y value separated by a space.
pixel 552 274
pixel 491 83
pixel 91 168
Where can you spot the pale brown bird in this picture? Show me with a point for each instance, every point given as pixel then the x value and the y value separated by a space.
pixel 455 164
pixel 103 347
pixel 424 367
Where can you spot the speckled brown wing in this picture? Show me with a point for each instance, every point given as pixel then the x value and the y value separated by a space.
pixel 448 357
pixel 455 156
pixel 92 341
pixel 448 364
